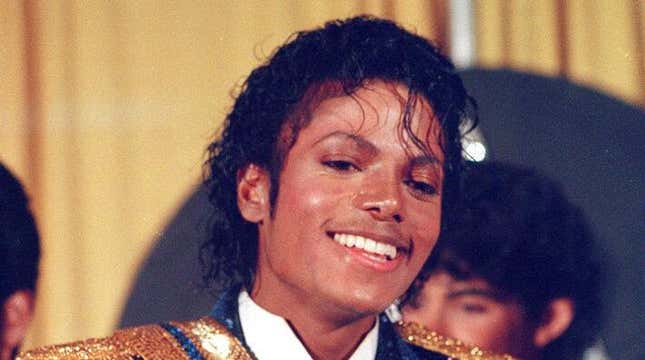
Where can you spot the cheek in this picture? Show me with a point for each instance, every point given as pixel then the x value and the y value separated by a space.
pixel 301 203
pixel 426 230
pixel 307 195
pixel 305 198
pixel 493 331
pixel 480 331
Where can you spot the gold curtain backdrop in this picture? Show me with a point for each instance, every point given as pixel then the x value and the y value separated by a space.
pixel 106 108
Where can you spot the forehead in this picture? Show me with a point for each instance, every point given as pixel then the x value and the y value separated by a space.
pixel 375 109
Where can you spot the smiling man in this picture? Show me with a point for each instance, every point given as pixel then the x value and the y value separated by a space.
pixel 329 177
pixel 355 216
pixel 333 168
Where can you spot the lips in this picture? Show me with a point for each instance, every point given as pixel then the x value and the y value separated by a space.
pixel 366 244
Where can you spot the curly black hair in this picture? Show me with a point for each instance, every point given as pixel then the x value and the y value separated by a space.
pixel 19 240
pixel 344 53
pixel 514 227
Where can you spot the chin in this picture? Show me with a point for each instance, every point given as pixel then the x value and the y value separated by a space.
pixel 367 303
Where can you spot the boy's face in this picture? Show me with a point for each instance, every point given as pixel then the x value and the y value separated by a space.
pixel 471 311
pixel 358 208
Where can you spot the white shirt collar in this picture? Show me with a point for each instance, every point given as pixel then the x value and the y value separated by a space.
pixel 270 337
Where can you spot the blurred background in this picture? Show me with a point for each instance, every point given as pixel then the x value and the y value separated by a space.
pixel 106 108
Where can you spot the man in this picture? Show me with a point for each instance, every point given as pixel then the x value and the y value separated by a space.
pixel 19 254
pixel 330 176
pixel 514 273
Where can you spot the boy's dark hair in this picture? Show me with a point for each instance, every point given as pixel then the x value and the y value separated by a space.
pixel 515 228
pixel 275 101
pixel 19 240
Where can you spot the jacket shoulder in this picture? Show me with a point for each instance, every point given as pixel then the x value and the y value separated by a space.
pixel 440 347
pixel 203 338
pixel 113 347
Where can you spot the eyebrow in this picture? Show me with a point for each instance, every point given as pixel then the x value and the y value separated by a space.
pixel 357 140
pixel 424 160
pixel 474 291
pixel 361 143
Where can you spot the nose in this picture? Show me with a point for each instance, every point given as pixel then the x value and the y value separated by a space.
pixel 382 199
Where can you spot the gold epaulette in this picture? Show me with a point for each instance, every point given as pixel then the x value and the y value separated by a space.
pixel 420 336
pixel 203 338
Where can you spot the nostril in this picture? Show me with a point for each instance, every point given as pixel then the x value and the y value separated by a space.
pixel 382 207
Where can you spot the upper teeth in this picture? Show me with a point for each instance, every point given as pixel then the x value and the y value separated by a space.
pixel 366 244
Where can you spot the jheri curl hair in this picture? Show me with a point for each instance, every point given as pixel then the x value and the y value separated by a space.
pixel 346 54
pixel 19 240
pixel 516 229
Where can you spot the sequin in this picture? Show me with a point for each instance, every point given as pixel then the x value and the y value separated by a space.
pixel 454 349
pixel 200 339
pixel 186 344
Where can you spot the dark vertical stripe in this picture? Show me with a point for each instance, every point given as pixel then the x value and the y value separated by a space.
pixel 440 24
pixel 590 35
pixel 34 123
pixel 562 32
pixel 475 18
pixel 638 49
pixel 389 10
pixel 506 14
pixel 362 6
pixel 33 101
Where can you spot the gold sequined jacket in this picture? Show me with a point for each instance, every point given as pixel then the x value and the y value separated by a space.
pixel 219 337
pixel 455 349
pixel 204 338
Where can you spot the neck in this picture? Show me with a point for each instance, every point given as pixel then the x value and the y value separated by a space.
pixel 332 343
pixel 326 332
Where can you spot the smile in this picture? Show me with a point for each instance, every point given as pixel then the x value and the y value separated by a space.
pixel 367 245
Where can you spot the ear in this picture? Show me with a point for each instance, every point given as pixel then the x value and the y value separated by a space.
pixel 17 312
pixel 556 320
pixel 253 188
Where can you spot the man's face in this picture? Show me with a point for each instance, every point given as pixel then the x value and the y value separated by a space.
pixel 471 311
pixel 358 208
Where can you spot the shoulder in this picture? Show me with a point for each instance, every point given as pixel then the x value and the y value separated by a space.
pixel 430 345
pixel 123 344
pixel 202 338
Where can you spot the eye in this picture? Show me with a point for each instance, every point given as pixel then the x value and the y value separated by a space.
pixel 422 187
pixel 473 308
pixel 341 165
